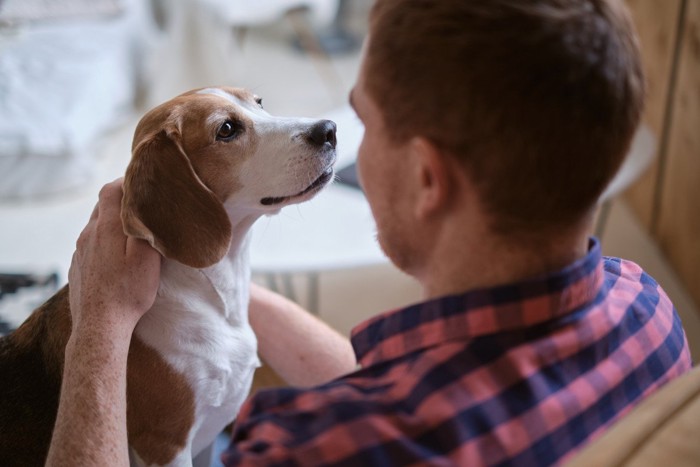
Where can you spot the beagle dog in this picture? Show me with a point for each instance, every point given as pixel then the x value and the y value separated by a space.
pixel 205 166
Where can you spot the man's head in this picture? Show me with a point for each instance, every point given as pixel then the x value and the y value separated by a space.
pixel 537 99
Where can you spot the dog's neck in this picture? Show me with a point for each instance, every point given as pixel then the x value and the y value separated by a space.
pixel 218 290
pixel 230 277
pixel 241 223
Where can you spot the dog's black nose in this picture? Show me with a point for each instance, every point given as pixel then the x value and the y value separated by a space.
pixel 323 132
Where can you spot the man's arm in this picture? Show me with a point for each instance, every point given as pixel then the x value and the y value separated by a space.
pixel 113 282
pixel 301 348
pixel 91 423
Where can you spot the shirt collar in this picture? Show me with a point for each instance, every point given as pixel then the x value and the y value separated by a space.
pixel 480 312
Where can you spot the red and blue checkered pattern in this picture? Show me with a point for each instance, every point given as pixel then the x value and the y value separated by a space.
pixel 521 374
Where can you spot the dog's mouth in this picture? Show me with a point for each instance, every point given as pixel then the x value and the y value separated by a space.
pixel 317 184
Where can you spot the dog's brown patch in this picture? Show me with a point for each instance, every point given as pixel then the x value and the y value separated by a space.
pixel 31 368
pixel 160 405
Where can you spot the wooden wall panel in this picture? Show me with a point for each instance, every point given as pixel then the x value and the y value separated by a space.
pixel 657 26
pixel 679 221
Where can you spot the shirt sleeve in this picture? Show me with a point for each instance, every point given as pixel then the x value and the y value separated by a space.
pixel 337 424
pixel 258 437
pixel 288 427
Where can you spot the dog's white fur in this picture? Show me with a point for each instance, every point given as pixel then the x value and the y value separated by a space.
pixel 199 322
pixel 206 337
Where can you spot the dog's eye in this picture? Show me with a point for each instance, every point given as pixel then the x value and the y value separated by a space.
pixel 259 101
pixel 228 131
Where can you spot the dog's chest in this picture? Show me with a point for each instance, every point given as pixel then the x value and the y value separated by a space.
pixel 199 325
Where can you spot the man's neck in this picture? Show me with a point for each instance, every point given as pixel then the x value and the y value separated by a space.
pixel 463 261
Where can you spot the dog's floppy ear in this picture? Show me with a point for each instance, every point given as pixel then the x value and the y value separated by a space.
pixel 166 203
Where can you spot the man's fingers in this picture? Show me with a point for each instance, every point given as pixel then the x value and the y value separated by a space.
pixel 111 195
pixel 95 212
pixel 81 242
pixel 109 221
pixel 73 264
pixel 139 248
pixel 113 188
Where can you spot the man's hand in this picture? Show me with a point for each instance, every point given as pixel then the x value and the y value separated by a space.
pixel 113 282
pixel 113 278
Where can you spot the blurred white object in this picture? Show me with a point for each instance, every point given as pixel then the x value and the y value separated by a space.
pixel 20 11
pixel 199 47
pixel 256 12
pixel 63 83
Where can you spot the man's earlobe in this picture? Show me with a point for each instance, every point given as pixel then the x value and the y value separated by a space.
pixel 433 178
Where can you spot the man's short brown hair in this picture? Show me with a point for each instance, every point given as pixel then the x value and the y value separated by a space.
pixel 539 98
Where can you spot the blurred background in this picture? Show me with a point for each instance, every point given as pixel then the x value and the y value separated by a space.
pixel 76 75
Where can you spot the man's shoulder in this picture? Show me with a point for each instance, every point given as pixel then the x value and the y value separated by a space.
pixel 624 274
pixel 640 303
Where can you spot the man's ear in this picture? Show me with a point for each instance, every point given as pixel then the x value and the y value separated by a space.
pixel 434 180
pixel 166 203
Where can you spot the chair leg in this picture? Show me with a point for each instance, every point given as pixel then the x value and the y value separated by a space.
pixel 308 40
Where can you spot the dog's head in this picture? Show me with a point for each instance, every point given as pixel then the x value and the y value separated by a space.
pixel 212 152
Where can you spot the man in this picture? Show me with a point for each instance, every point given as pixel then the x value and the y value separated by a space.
pixel 491 130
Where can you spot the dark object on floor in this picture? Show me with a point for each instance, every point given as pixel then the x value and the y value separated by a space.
pixel 10 283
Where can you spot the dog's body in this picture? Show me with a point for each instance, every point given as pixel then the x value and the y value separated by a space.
pixel 205 166
pixel 199 325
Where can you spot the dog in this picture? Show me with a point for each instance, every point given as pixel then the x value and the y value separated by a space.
pixel 205 165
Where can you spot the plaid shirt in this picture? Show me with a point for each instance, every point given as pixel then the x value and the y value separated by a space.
pixel 521 374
